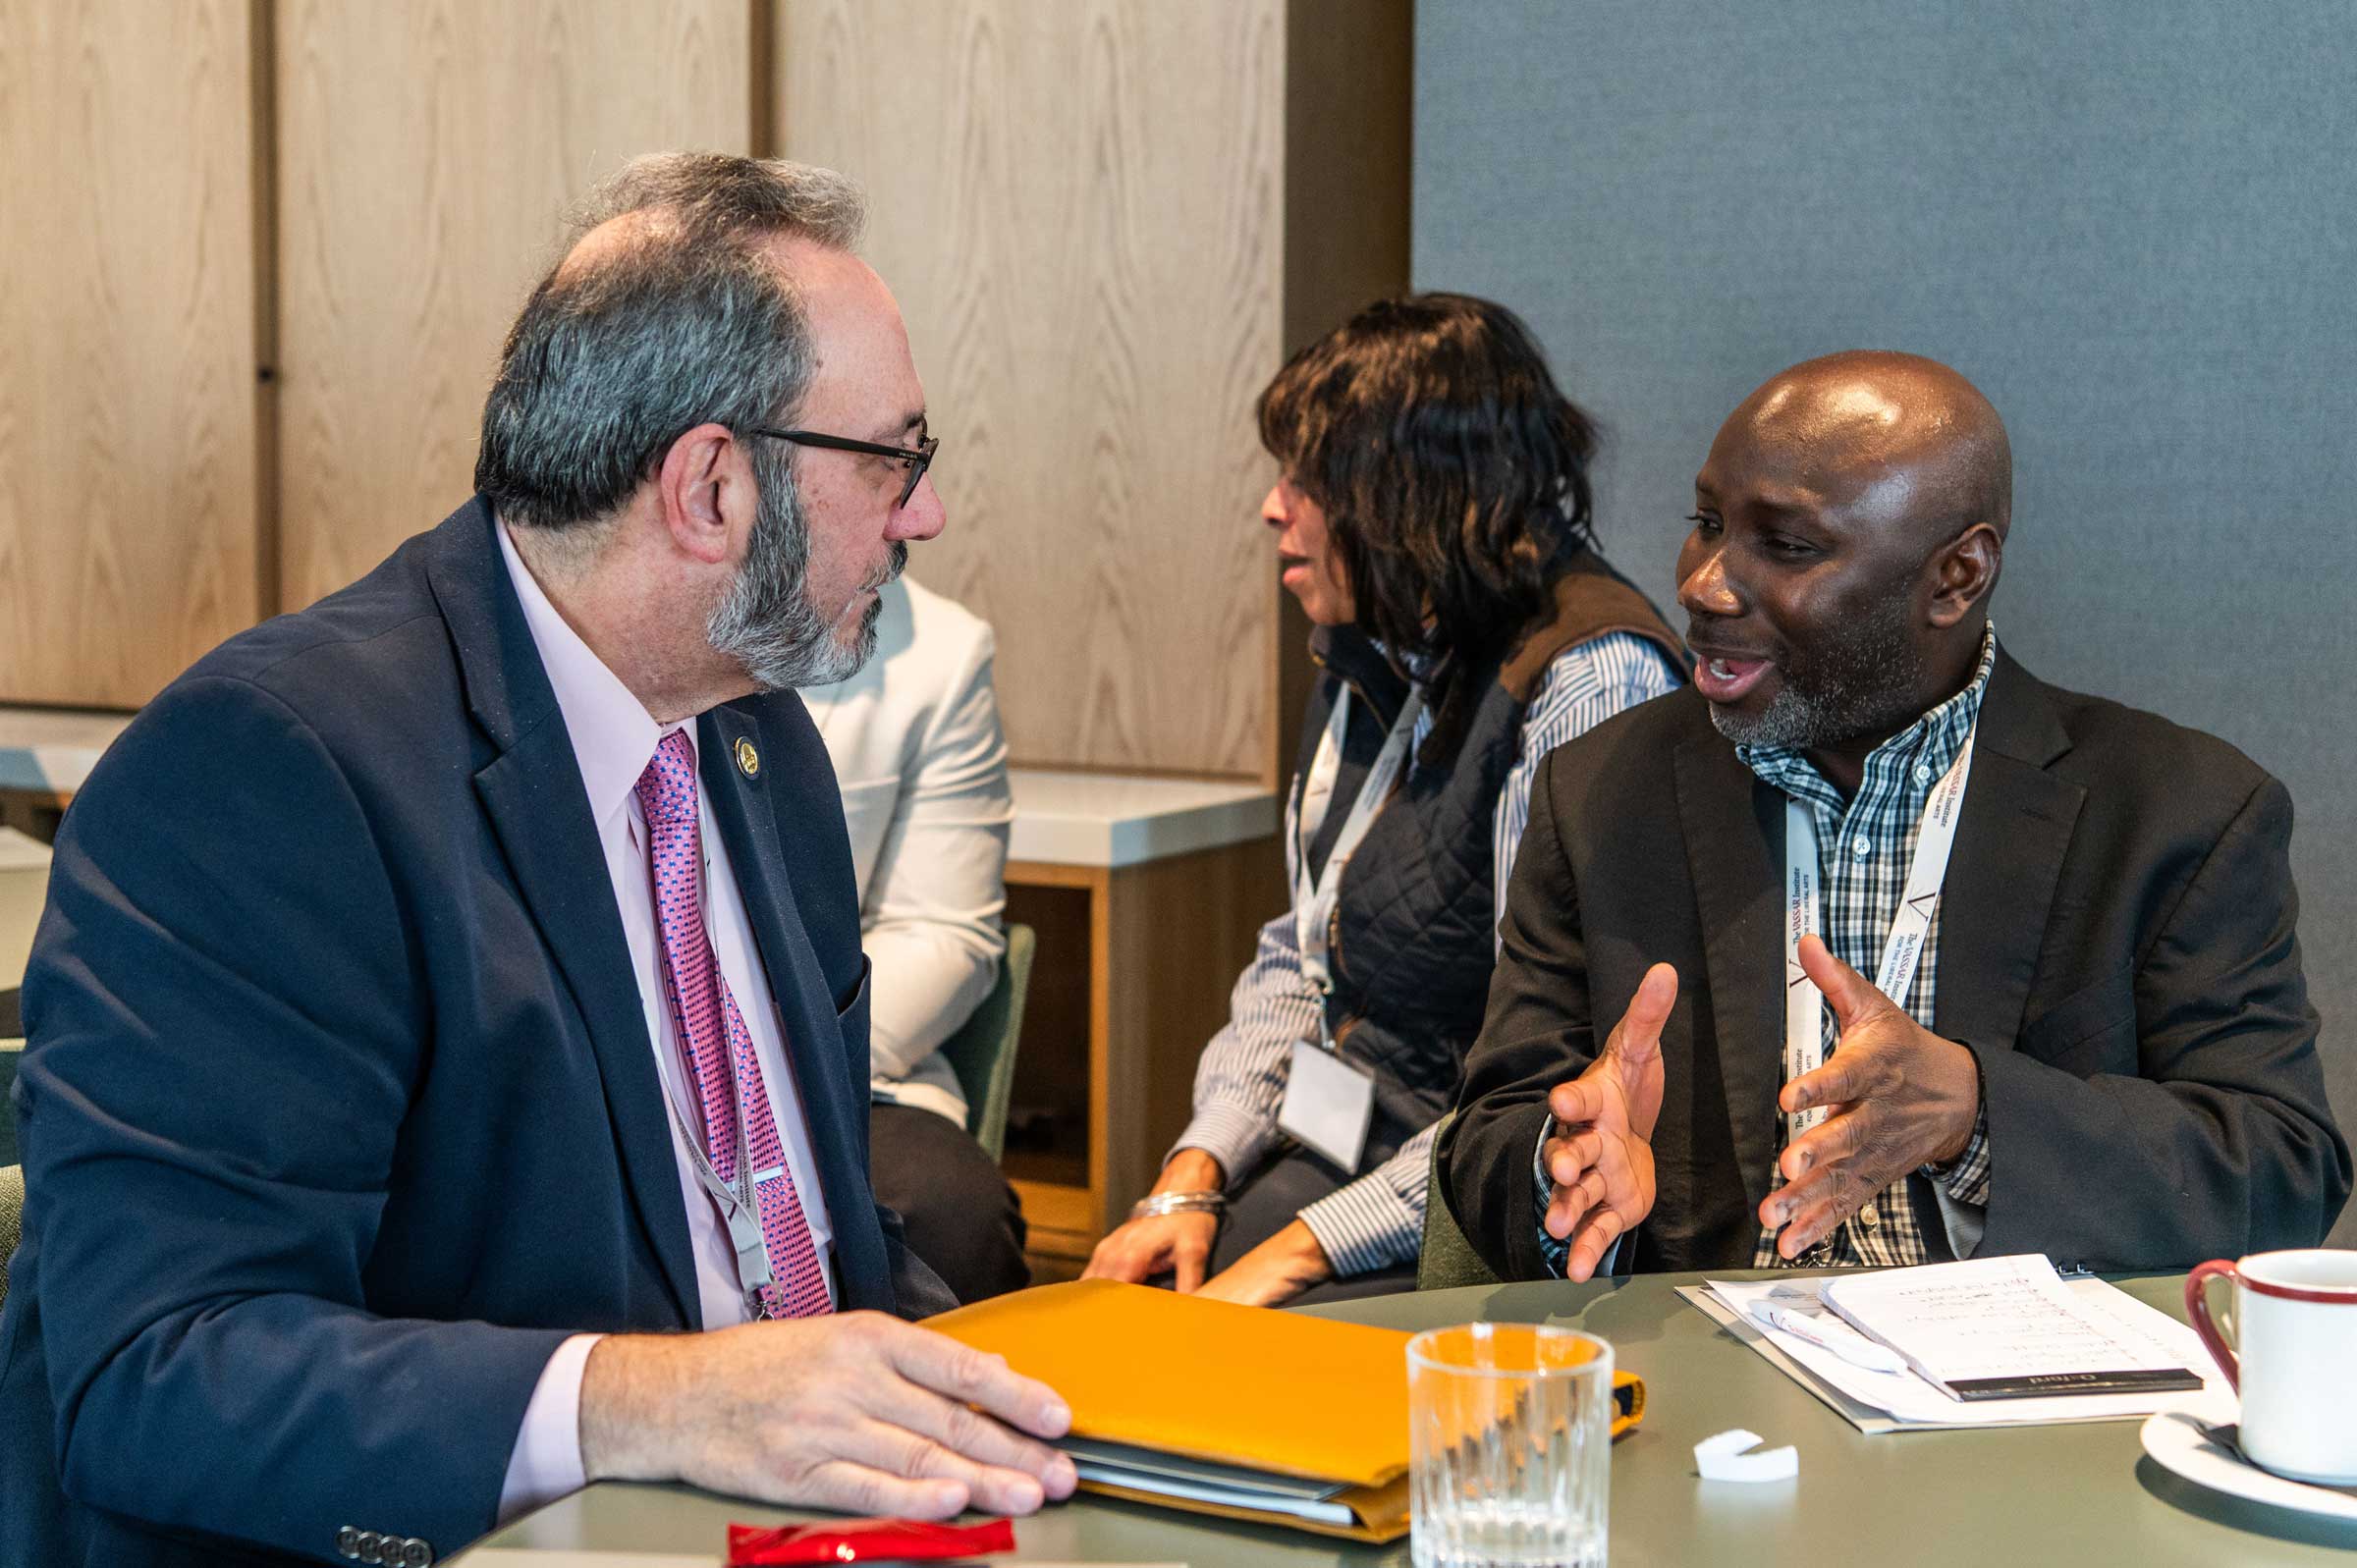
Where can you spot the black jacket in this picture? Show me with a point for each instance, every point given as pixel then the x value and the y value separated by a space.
pixel 2117 948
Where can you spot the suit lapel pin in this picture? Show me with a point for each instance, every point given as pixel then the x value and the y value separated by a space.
pixel 749 760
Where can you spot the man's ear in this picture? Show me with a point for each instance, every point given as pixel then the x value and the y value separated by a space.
pixel 1965 572
pixel 702 485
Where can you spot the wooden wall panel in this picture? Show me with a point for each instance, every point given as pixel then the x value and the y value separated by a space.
pixel 427 153
pixel 1079 205
pixel 128 402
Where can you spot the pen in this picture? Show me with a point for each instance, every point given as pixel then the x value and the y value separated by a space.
pixel 1852 1348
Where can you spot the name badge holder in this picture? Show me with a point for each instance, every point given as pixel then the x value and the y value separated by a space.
pixel 738 1205
pixel 1903 949
pixel 1330 1102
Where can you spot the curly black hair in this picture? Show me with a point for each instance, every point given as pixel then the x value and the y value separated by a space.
pixel 1454 474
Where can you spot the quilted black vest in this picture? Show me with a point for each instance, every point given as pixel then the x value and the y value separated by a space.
pixel 1414 938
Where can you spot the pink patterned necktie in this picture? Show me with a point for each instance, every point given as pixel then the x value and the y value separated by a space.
pixel 711 1029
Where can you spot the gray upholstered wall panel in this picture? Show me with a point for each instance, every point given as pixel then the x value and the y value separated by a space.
pixel 2133 221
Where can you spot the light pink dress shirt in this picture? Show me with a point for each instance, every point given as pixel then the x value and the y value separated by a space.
pixel 613 740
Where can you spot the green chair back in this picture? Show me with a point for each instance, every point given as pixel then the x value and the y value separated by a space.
pixel 982 1052
pixel 12 1217
pixel 1448 1260
pixel 11 1052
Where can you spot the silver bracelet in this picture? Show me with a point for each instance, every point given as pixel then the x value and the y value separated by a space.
pixel 1177 1203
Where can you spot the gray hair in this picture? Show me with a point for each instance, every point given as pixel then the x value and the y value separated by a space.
pixel 681 321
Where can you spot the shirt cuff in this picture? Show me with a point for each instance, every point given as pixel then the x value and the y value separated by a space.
pixel 1968 1180
pixel 1555 1252
pixel 1364 1226
pixel 546 1463
pixel 1558 1254
pixel 1235 1137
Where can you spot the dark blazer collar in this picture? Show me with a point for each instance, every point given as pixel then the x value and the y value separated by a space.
pixel 532 793
pixel 2010 841
pixel 2018 716
pixel 507 690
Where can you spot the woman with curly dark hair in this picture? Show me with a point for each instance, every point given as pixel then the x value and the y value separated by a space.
pixel 1433 514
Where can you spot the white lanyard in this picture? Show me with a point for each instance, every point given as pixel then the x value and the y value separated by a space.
pixel 1314 901
pixel 1902 951
pixel 739 1205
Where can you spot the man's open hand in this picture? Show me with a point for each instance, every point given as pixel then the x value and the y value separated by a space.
pixel 1601 1166
pixel 861 1412
pixel 1902 1097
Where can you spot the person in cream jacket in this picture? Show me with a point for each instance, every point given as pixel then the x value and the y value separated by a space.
pixel 923 765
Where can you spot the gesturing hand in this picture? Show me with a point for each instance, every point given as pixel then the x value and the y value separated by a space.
pixel 861 1412
pixel 1902 1097
pixel 1601 1166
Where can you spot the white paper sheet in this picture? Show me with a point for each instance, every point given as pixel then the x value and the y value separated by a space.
pixel 1910 1400
pixel 1999 1317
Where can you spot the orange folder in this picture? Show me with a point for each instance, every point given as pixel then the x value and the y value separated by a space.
pixel 1277 1394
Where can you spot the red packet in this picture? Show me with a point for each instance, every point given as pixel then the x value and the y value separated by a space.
pixel 864 1541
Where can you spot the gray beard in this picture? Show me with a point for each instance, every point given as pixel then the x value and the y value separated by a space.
pixel 1861 683
pixel 765 620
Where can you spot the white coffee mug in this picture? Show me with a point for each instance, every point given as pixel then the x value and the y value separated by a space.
pixel 2295 1326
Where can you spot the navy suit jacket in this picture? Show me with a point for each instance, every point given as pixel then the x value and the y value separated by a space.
pixel 340 1112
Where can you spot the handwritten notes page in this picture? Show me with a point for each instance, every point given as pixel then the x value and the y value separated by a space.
pixel 2004 1328
pixel 1912 1400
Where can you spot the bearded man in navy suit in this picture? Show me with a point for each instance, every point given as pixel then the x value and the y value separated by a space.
pixel 448 1065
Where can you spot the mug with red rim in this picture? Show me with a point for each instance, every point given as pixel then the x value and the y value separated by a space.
pixel 2294 1360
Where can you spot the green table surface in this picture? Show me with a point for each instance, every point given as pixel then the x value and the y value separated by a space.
pixel 2007 1498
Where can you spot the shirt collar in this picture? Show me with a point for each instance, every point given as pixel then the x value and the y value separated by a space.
pixel 1910 762
pixel 613 736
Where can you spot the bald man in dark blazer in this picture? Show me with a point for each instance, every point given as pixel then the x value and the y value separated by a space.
pixel 2108 1054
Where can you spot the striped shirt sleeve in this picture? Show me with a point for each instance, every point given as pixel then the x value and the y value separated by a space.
pixel 1239 1083
pixel 1378 1219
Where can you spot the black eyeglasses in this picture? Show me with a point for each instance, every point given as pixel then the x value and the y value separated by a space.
pixel 918 458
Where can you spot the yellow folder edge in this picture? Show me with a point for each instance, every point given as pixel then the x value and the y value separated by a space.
pixel 1142 1366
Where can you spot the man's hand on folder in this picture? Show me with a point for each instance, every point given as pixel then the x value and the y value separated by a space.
pixel 859 1412
pixel 1602 1165
pixel 1137 1250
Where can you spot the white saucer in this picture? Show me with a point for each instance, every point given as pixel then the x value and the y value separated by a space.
pixel 2175 1442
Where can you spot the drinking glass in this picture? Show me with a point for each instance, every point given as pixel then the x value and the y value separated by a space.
pixel 1510 1437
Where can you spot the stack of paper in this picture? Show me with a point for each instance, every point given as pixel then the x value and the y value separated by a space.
pixel 1986 1319
pixel 2007 1328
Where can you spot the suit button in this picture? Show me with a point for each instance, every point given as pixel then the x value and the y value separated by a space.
pixel 372 1546
pixel 348 1542
pixel 415 1553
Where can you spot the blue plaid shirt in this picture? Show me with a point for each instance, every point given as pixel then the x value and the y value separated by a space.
pixel 1864 847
